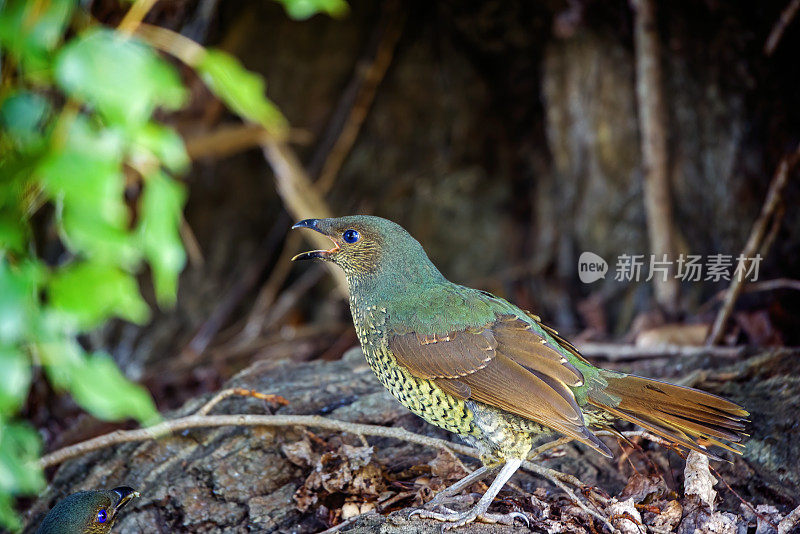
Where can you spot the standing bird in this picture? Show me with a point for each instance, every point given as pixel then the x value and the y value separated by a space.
pixel 87 512
pixel 475 364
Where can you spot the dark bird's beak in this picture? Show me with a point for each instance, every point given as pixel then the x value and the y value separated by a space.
pixel 308 223
pixel 314 224
pixel 126 495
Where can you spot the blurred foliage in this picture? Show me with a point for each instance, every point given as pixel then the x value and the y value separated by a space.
pixel 83 162
pixel 303 9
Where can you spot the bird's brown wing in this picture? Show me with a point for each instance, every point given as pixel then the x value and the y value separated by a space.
pixel 563 343
pixel 504 364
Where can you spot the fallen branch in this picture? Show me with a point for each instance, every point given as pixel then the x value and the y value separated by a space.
pixel 768 211
pixel 617 352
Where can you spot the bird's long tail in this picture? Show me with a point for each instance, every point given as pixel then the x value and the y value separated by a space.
pixel 683 416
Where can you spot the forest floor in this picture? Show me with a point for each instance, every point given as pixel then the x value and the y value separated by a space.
pixel 291 478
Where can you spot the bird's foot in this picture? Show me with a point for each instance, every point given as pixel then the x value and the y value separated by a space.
pixel 458 519
pixel 442 499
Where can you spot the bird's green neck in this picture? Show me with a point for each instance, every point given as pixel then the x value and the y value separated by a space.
pixel 395 277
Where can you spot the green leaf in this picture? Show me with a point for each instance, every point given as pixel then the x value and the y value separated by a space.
pixel 20 473
pixel 304 9
pixel 31 30
pixel 18 286
pixel 159 226
pixel 58 350
pixel 8 516
pixel 240 89
pixel 13 232
pixel 88 180
pixel 103 242
pixel 22 117
pixel 87 293
pixel 123 78
pixel 97 384
pixel 15 368
pixel 165 144
pixel 85 179
pixel 20 447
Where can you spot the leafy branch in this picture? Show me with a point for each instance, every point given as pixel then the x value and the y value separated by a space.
pixel 90 199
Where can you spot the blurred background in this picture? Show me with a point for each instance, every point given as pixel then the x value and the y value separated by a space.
pixel 508 137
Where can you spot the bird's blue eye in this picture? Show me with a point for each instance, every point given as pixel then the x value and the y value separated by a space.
pixel 102 516
pixel 351 236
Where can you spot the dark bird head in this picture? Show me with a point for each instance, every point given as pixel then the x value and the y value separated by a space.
pixel 87 512
pixel 371 248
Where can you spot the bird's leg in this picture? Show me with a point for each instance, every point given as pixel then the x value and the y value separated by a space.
pixel 457 519
pixel 455 489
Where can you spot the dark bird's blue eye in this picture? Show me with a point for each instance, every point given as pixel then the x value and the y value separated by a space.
pixel 351 236
pixel 102 516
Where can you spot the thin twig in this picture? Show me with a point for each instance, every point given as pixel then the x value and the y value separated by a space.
pixel 173 43
pixel 343 110
pixel 293 294
pixel 170 426
pixel 552 476
pixel 190 242
pixel 780 26
pixel 300 197
pixel 747 504
pixel 621 352
pixel 753 287
pixel 768 210
pixel 370 80
pixel 277 345
pixel 242 287
pixel 541 449
pixel 255 322
pixel 232 139
pixel 132 19
pixel 766 244
pixel 230 392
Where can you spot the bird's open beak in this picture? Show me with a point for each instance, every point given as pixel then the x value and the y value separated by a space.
pixel 126 495
pixel 312 254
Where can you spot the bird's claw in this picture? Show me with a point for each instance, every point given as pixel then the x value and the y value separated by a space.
pixel 413 513
pixel 522 517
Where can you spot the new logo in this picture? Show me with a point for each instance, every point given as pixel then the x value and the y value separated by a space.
pixel 591 267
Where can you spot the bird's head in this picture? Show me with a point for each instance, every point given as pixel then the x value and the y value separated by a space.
pixel 364 246
pixel 87 512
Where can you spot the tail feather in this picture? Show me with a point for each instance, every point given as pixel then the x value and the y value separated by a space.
pixel 683 416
